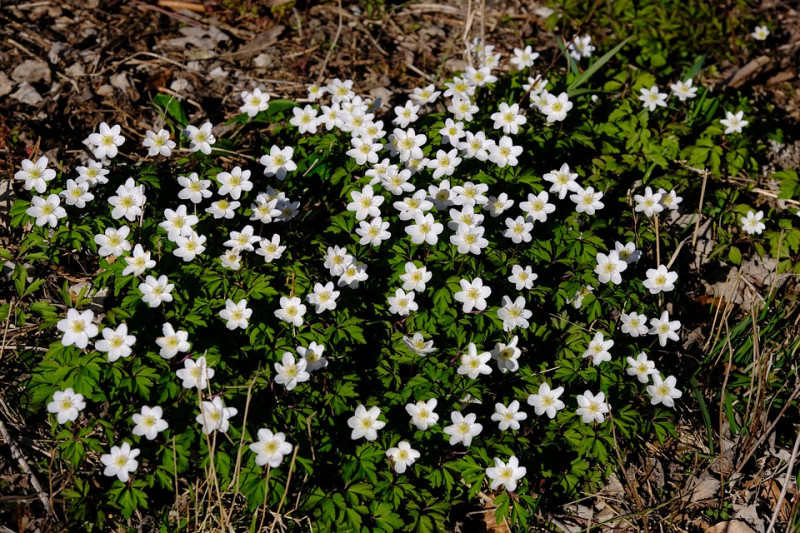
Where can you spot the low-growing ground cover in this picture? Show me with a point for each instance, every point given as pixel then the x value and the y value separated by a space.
pixel 350 314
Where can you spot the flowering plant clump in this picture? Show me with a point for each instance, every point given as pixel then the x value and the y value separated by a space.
pixel 478 265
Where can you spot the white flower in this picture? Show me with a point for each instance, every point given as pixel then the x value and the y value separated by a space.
pixel 415 278
pixel 313 356
pixel 138 263
pixel 418 344
pixel 425 229
pixel 505 474
pixel 67 404
pixel 270 249
pixel 670 200
pixel 154 291
pixel 323 298
pixel 452 132
pixel 270 448
pixel 577 300
pixel 462 108
pixel 200 138
pixel 93 174
pixel 365 423
pixel 194 189
pixel 581 47
pixel 508 417
pixel 641 367
pixel 424 95
pixel 563 181
pixel 445 163
pixel 508 118
pixel 652 98
pixel 752 222
pixel 77 328
pixel 524 58
pixel 598 349
pixel 236 314
pixel 105 143
pixel 407 144
pixel 497 205
pixel 475 145
pixel 411 206
pixel 660 280
pixel 513 314
pixel 556 108
pixel 406 114
pixel 234 182
pixel 374 232
pixel 592 408
pixel 760 33
pixel 254 102
pixel 506 355
pixel 195 373
pixel 214 416
pixel 609 268
pixel 474 364
pixel 422 413
pixel 649 204
pixel 77 194
pixel 586 200
pixel 402 303
pixel 35 175
pixel 537 207
pixel 634 324
pixel 291 311
pixel 353 274
pixel 304 119
pixel 121 461
pixel 523 278
pixel 471 194
pixel 546 400
pixel 115 342
pixel 178 223
pixel 173 341
pixel 627 252
pixel 463 429
pixel 684 90
pixel 46 210
pixel 340 91
pixel 364 150
pixel 473 295
pixel 518 230
pixel 664 328
pixel 158 143
pixel 365 203
pixel 149 422
pixel 402 455
pixel 734 122
pixel 113 241
pixel 189 246
pixel 242 241
pixel 289 372
pixel 278 162
pixel 663 391
pixel 504 153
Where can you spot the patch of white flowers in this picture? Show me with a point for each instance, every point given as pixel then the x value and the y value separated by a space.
pixel 422 213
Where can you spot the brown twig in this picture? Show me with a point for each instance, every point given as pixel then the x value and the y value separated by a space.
pixel 786 480
pixel 23 464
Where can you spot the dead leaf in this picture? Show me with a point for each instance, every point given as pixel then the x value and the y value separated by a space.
pixel 733 526
pixel 6 85
pixel 703 488
pixel 27 94
pixel 31 71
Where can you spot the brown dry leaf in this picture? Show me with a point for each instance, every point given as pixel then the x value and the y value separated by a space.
pixel 733 526
pixel 490 518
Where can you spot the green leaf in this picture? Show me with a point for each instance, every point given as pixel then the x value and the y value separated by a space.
pixel 597 65
pixel 172 107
